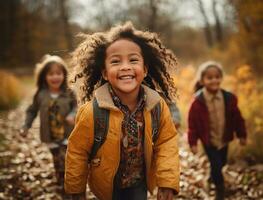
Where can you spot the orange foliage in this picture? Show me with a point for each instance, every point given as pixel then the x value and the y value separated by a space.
pixel 10 90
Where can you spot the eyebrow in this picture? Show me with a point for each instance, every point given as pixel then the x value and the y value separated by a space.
pixel 130 54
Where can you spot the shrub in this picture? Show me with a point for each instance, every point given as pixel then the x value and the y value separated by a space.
pixel 250 102
pixel 10 90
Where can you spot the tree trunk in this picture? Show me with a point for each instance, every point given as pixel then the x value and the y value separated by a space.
pixel 153 15
pixel 207 29
pixel 8 22
pixel 218 27
pixel 64 16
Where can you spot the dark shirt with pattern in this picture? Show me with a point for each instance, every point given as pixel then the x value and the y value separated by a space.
pixel 56 121
pixel 132 166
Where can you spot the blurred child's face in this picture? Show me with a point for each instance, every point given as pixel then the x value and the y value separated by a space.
pixel 124 67
pixel 55 77
pixel 212 79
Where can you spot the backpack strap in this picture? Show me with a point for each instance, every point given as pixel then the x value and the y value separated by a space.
pixel 101 125
pixel 156 115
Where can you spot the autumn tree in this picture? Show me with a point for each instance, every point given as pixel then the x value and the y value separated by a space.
pixel 250 17
pixel 33 28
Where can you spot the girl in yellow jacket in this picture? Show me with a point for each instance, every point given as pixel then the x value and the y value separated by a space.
pixel 122 69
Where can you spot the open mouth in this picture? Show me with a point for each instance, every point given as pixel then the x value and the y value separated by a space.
pixel 126 77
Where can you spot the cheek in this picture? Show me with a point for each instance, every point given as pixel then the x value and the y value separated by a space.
pixel 206 82
pixel 47 78
pixel 142 74
pixel 109 74
pixel 202 82
pixel 141 70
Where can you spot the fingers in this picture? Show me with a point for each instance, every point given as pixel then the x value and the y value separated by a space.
pixel 70 120
pixel 194 149
pixel 165 194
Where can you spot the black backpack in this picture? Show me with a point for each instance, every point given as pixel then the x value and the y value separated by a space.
pixel 101 125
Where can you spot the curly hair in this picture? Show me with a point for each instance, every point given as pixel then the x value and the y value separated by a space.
pixel 88 61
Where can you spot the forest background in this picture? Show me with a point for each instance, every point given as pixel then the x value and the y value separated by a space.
pixel 228 31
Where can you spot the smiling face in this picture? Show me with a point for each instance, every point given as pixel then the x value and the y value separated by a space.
pixel 124 67
pixel 55 77
pixel 212 79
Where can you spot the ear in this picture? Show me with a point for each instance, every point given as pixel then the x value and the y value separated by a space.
pixel 145 71
pixel 104 74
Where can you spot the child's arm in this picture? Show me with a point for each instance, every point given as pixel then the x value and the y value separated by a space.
pixel 240 127
pixel 79 144
pixel 166 153
pixel 70 118
pixel 31 114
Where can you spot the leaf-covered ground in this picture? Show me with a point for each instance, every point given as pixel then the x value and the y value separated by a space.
pixel 26 169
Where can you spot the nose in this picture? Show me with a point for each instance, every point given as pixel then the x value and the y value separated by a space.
pixel 125 66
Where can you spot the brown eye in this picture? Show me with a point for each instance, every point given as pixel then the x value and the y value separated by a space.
pixel 134 60
pixel 114 61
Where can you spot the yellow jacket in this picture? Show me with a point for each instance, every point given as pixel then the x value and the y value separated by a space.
pixel 161 158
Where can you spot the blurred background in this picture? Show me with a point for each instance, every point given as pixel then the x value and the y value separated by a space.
pixel 228 31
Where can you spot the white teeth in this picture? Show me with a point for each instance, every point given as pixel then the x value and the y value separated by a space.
pixel 125 77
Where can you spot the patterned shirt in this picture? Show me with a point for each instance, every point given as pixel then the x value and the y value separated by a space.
pixel 55 121
pixel 132 167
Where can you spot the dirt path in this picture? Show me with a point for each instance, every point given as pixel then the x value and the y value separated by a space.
pixel 26 169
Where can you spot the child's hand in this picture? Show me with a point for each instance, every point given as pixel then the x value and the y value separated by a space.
pixel 165 194
pixel 70 119
pixel 194 149
pixel 23 132
pixel 242 141
pixel 80 196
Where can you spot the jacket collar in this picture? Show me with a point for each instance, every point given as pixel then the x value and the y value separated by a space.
pixel 199 95
pixel 209 97
pixel 104 99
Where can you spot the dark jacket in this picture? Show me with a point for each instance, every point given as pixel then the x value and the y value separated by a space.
pixel 67 105
pixel 198 120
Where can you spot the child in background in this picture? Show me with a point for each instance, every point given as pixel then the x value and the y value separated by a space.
pixel 213 118
pixel 121 69
pixel 57 107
